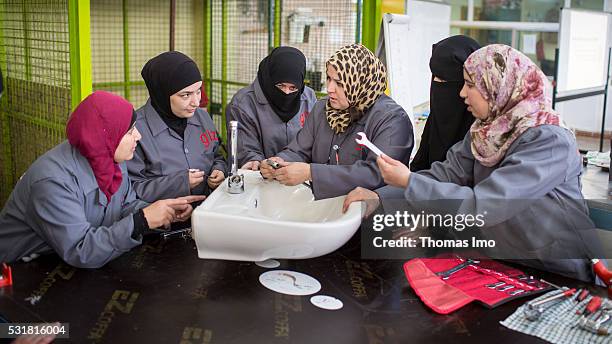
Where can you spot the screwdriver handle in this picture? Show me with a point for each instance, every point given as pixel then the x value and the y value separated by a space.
pixel 583 295
pixel 592 306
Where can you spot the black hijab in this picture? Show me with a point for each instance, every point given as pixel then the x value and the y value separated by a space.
pixel 449 120
pixel 164 75
pixel 284 64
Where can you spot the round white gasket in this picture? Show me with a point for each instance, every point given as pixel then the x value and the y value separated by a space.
pixel 326 302
pixel 268 263
pixel 289 282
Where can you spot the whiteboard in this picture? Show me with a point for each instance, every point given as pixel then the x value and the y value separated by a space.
pixel 405 47
pixel 583 51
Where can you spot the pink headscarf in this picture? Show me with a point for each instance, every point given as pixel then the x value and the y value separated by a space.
pixel 95 129
pixel 519 97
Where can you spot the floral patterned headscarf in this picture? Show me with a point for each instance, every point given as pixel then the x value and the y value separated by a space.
pixel 519 97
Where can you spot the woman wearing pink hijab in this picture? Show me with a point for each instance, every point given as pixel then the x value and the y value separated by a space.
pixel 77 200
pixel 518 166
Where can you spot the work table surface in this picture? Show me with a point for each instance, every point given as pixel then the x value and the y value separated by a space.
pixel 161 292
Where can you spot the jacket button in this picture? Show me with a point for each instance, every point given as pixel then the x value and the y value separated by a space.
pixel 186 151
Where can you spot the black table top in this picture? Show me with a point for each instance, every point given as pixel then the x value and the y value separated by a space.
pixel 161 292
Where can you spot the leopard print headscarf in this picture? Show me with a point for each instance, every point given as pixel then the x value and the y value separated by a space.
pixel 363 78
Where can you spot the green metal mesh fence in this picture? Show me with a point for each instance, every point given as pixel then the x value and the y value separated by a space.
pixel 135 31
pixel 240 32
pixel 34 55
pixel 318 29
pixel 227 38
pixel 107 46
pixel 215 29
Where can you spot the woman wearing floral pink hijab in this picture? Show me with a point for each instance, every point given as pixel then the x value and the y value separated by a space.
pixel 518 166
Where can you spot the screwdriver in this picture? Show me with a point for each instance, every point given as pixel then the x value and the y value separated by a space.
pixel 592 306
pixel 580 296
pixel 583 293
pixel 565 293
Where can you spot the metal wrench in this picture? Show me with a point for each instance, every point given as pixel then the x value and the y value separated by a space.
pixel 495 285
pixel 184 233
pixel 447 274
pixel 363 140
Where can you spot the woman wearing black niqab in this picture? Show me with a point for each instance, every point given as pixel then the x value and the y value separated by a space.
pixel 449 119
pixel 273 108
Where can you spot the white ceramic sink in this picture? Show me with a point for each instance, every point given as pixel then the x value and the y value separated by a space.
pixel 270 220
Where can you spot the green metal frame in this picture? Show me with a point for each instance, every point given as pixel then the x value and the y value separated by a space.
pixel 26 41
pixel 124 84
pixel 223 66
pixel 7 161
pixel 126 51
pixel 358 24
pixel 80 50
pixel 270 25
pixel 59 128
pixel 370 23
pixel 208 46
pixel 277 23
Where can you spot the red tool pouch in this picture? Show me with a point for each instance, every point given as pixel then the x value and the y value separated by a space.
pixel 6 277
pixel 466 285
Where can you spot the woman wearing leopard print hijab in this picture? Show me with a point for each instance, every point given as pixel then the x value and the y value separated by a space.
pixel 324 151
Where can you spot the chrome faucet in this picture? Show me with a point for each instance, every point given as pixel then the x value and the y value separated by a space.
pixel 235 182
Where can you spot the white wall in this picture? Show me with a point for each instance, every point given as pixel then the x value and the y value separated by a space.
pixel 586 114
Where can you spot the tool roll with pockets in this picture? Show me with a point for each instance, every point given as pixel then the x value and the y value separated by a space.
pixel 447 284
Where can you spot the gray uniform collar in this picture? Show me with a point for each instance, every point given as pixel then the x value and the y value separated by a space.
pixel 261 97
pixel 156 124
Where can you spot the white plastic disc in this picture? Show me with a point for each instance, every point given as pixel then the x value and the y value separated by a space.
pixel 269 263
pixel 326 302
pixel 289 282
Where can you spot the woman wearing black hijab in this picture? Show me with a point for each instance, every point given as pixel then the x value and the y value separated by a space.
pixel 273 108
pixel 449 119
pixel 179 145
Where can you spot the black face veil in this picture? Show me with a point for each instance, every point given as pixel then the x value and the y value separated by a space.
pixel 449 120
pixel 283 65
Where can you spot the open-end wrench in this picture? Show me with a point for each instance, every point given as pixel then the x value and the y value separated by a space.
pixel 447 274
pixel 184 233
pixel 495 285
pixel 363 140
pixel 506 287
pixel 516 292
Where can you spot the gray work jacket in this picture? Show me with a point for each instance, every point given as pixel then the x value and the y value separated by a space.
pixel 58 206
pixel 532 199
pixel 161 163
pixel 261 133
pixel 338 163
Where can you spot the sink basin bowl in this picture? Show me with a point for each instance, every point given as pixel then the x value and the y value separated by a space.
pixel 270 220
